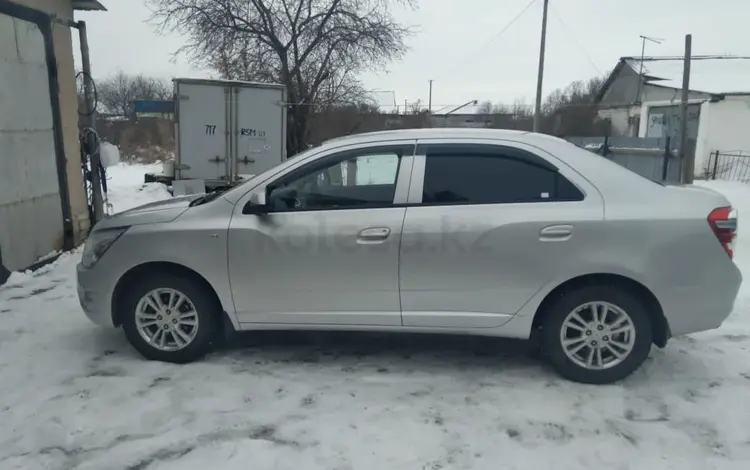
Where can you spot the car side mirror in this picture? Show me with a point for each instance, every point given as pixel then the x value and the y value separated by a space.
pixel 257 204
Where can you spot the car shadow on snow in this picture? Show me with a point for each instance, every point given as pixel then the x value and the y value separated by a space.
pixel 441 353
pixel 382 351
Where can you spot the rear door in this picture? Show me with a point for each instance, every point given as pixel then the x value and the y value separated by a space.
pixel 203 138
pixel 487 225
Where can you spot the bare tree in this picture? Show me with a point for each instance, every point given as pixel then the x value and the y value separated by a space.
pixel 117 92
pixel 571 110
pixel 520 110
pixel 577 93
pixel 315 48
pixel 485 107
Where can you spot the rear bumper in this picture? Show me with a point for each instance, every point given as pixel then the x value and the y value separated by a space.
pixel 690 309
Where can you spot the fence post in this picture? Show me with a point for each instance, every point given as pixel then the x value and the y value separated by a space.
pixel 716 164
pixel 665 162
pixel 605 147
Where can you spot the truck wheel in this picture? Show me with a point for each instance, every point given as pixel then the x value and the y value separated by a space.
pixel 170 318
pixel 597 334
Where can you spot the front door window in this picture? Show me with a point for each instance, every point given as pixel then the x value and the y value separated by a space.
pixel 351 181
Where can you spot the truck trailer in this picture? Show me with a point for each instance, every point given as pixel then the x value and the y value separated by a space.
pixel 225 132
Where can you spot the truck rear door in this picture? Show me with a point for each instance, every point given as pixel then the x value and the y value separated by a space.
pixel 260 128
pixel 203 137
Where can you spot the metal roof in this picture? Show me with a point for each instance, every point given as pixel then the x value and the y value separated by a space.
pixel 222 82
pixel 715 76
pixel 711 76
pixel 88 5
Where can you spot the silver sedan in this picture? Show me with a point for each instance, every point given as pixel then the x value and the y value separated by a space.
pixel 469 231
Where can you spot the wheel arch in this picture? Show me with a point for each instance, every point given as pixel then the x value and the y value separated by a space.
pixel 659 323
pixel 149 268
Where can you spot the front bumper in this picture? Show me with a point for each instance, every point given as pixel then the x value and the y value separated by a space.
pixel 94 296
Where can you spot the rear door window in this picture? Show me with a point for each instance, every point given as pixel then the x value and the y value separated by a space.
pixel 474 175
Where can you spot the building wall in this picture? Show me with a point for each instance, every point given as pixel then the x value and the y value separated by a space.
pixel 621 119
pixel 62 38
pixel 31 211
pixel 31 217
pixel 724 126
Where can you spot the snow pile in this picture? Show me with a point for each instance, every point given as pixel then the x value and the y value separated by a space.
pixel 109 154
pixel 75 396
pixel 126 189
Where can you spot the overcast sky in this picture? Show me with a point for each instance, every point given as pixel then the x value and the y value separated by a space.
pixel 456 44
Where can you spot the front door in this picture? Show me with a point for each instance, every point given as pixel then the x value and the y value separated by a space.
pixel 327 251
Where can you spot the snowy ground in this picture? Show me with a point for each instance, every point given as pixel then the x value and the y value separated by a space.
pixel 74 396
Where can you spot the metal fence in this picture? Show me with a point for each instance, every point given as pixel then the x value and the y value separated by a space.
pixel 653 158
pixel 729 166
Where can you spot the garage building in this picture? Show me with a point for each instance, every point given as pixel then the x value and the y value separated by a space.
pixel 43 203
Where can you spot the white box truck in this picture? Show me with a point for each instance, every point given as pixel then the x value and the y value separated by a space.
pixel 226 131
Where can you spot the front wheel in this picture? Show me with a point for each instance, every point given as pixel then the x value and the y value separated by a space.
pixel 597 334
pixel 170 318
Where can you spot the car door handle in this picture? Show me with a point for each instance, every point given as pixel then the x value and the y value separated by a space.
pixel 556 233
pixel 373 234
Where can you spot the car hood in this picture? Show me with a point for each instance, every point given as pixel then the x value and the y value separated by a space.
pixel 152 213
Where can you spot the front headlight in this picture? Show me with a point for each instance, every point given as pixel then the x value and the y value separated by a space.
pixel 98 243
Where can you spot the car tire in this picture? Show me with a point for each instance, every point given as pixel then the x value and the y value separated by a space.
pixel 571 319
pixel 181 344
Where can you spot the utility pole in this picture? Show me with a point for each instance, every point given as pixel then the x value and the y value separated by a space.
pixel 540 77
pixel 687 158
pixel 96 182
pixel 640 72
pixel 429 102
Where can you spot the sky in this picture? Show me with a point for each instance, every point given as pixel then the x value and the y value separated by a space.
pixel 466 49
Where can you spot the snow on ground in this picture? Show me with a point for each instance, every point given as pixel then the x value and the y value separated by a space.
pixel 125 187
pixel 75 396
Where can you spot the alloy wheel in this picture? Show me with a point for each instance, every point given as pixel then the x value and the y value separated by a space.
pixel 166 319
pixel 597 335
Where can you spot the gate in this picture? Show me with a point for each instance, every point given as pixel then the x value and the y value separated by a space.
pixel 34 200
pixel 729 166
pixel 653 158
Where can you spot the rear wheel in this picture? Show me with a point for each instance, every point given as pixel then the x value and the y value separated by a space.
pixel 597 334
pixel 170 318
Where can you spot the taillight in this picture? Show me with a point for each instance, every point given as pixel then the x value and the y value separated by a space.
pixel 723 222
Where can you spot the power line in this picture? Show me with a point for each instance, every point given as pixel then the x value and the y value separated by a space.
pixel 492 39
pixel 575 39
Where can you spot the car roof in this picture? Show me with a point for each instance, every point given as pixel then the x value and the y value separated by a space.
pixel 430 133
pixel 609 177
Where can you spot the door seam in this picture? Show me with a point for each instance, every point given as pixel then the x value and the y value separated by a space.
pixel 401 238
